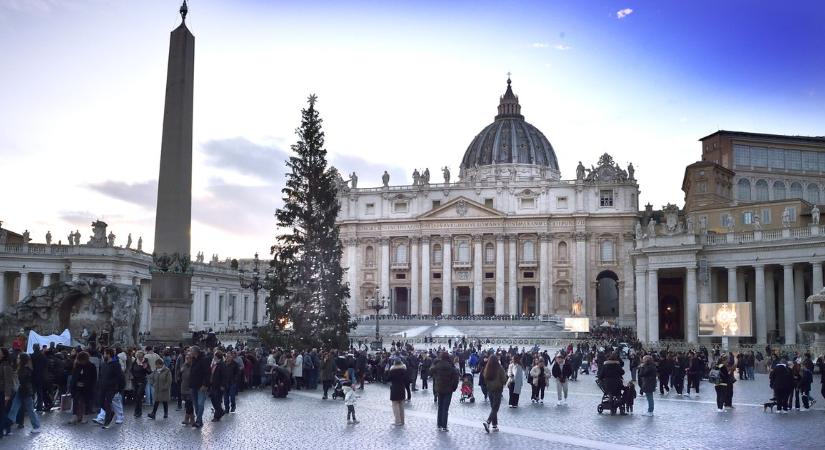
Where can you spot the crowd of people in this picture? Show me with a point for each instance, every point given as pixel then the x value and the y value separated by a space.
pixel 98 384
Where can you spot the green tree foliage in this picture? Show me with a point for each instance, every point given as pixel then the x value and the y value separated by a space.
pixel 308 297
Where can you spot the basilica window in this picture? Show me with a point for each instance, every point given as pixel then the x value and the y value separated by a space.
pixel 528 203
pixel 743 190
pixel 822 161
pixel 761 191
pixel 741 155
pixel 489 253
pixel 245 307
pixel 792 211
pixel 463 251
pixel 206 307
pixel 400 207
pixel 606 198
pixel 779 190
pixel 796 190
pixel 561 254
pixel 766 216
pixel 437 254
pixel 401 254
pixel 810 161
pixel 369 209
pixel 776 158
pixel 561 202
pixel 747 217
pixel 759 156
pixel 793 160
pixel 488 202
pixel 369 256
pixel 725 220
pixel 812 193
pixel 607 250
pixel 233 300
pixel 528 253
pixel 702 187
pixel 220 307
pixel 436 203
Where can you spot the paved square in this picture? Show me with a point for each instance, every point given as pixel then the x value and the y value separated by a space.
pixel 304 421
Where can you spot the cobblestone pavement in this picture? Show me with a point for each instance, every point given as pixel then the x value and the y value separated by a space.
pixel 303 421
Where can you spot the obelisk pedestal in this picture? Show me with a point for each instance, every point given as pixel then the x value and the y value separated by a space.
pixel 171 270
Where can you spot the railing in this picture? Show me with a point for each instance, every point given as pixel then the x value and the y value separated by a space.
pixel 800 232
pixel 528 263
pixel 744 237
pixel 771 235
pixel 461 264
pixel 397 265
pixel 749 237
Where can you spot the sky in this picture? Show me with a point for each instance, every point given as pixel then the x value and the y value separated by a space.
pixel 400 85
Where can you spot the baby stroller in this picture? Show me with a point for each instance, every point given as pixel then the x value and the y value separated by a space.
pixel 467 388
pixel 612 395
pixel 338 390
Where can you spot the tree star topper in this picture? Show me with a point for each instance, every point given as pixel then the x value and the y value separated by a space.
pixel 312 99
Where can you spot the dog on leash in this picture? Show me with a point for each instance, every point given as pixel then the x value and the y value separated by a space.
pixel 769 404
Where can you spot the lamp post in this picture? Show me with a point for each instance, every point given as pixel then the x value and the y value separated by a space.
pixel 256 284
pixel 377 302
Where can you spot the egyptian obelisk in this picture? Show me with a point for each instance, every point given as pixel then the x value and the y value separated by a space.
pixel 171 273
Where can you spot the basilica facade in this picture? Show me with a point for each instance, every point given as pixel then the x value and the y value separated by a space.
pixel 509 237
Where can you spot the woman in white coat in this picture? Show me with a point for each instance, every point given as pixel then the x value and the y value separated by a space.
pixel 515 380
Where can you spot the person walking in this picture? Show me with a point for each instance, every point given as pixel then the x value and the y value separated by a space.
pixel 298 371
pixel 161 380
pixel 111 384
pixel 327 373
pixel 198 383
pixel 494 378
pixel 445 382
pixel 647 381
pixel 398 379
pixel 720 376
pixel 561 372
pixel 140 371
pixel 185 371
pixel 84 378
pixel 665 368
pixel 23 396
pixel 515 380
pixel 349 400
pixel 426 363
pixel 7 381
pixel 234 379
pixel 540 375
pixel 695 370
pixel 217 385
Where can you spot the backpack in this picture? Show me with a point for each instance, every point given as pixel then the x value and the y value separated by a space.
pixel 715 376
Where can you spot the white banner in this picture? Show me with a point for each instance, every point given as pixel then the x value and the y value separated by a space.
pixel 64 338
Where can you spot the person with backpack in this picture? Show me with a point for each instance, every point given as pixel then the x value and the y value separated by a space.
pixel 647 381
pixel 720 377
pixel 445 382
pixel 562 372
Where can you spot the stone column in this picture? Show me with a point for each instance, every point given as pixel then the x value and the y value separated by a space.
pixel 352 277
pixel 47 278
pixel 580 269
pixel 788 305
pixel 385 268
pixel 2 291
pixel 653 305
pixel 641 305
pixel 544 270
pixel 692 306
pixel 414 276
pixel 425 275
pixel 816 285
pixel 732 285
pixel 512 276
pixel 24 286
pixel 761 306
pixel 799 292
pixel 447 277
pixel 770 301
pixel 478 306
pixel 499 274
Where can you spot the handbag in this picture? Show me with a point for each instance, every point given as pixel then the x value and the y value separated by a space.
pixel 66 402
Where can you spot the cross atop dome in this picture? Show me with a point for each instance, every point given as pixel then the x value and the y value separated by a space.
pixel 508 105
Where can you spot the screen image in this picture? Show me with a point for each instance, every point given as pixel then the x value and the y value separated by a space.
pixel 725 319
pixel 577 324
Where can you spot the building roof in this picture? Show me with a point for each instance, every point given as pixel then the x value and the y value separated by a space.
pixel 749 135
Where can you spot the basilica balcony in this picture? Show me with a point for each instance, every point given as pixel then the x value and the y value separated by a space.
pixel 461 264
pixel 524 263
pixel 369 265
pixel 399 265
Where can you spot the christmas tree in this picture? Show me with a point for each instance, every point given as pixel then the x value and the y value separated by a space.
pixel 308 297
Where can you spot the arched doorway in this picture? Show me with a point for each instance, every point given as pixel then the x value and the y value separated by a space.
pixel 437 307
pixel 607 294
pixel 489 306
pixel 528 300
pixel 401 301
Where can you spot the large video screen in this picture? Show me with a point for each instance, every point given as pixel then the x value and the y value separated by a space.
pixel 577 324
pixel 725 319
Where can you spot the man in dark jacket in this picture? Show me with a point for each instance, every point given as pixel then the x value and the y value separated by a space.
pixel 412 372
pixel 361 368
pixel 218 380
pixel 39 363
pixel 664 370
pixel 234 378
pixel 647 381
pixel 695 371
pixel 445 382
pixel 198 382
pixel 112 382
pixel 426 363
pixel 781 380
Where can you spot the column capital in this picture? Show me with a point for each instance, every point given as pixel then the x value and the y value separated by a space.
pixel 512 237
pixel 425 239
pixel 652 270
pixel 477 238
pixel 731 267
pixel 759 266
pixel 499 237
pixel 544 237
pixel 414 240
pixel 690 269
pixel 580 236
pixel 384 240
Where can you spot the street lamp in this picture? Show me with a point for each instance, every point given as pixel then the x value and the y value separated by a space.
pixel 377 302
pixel 255 284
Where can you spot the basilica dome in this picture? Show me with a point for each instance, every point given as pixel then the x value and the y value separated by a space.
pixel 510 140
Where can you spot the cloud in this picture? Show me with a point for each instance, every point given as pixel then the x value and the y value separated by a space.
pixel 143 193
pixel 246 157
pixel 539 45
pixel 562 47
pixel 244 210
pixel 622 13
